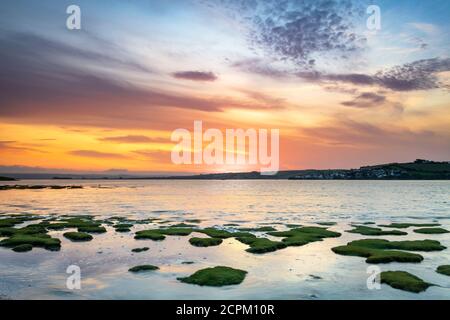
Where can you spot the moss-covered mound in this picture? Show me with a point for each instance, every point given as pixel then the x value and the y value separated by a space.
pixel 205 242
pixel 140 249
pixel 370 231
pixel 404 281
pixel 384 251
pixel 261 245
pixel 176 231
pixel 150 235
pixel 146 267
pixel 77 222
pixel 78 236
pixel 15 220
pixel 408 225
pixel 304 235
pixel 326 223
pixel 431 230
pixel 123 230
pixel 445 269
pixel 92 229
pixel 23 248
pixel 216 277
pixel 36 240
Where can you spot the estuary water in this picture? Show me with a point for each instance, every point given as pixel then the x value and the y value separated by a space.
pixel 312 271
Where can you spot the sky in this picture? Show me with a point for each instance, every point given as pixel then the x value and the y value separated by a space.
pixel 107 97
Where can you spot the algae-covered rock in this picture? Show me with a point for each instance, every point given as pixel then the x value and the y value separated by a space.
pixel 431 230
pixel 304 235
pixel 146 267
pixel 137 250
pixel 326 223
pixel 23 248
pixel 384 251
pixel 444 269
pixel 36 240
pixel 78 236
pixel 149 234
pixel 92 229
pixel 205 242
pixel 370 231
pixel 404 281
pixel 216 277
pixel 261 245
pixel 408 225
pixel 176 231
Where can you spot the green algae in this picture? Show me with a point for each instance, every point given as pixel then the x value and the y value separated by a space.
pixel 36 240
pixel 205 242
pixel 223 234
pixel 92 229
pixel 431 230
pixel 76 222
pixel 122 230
pixel 146 267
pixel 176 231
pixel 384 251
pixel 304 235
pixel 261 245
pixel 122 225
pixel 23 248
pixel 150 235
pixel 137 250
pixel 326 223
pixel 370 231
pixel 444 269
pixel 78 236
pixel 404 281
pixel 187 262
pixel 407 225
pixel 216 277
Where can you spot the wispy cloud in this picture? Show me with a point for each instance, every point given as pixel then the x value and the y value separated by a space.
pixel 195 75
pixel 132 139
pixel 96 154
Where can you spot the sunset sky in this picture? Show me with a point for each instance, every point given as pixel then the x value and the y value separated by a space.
pixel 108 96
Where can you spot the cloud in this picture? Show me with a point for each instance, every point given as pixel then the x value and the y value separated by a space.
pixel 259 66
pixel 195 75
pixel 417 75
pixel 300 31
pixel 16 146
pixel 96 154
pixel 132 139
pixel 427 28
pixel 366 100
pixel 42 82
pixel 350 133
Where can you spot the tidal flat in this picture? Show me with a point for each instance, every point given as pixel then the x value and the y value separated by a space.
pixel 225 239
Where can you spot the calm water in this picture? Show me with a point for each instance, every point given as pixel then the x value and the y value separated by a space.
pixel 309 272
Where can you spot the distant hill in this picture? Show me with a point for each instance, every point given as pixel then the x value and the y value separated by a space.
pixel 417 170
pixel 6 179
